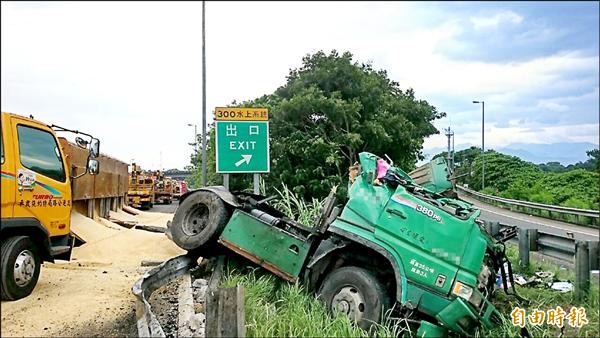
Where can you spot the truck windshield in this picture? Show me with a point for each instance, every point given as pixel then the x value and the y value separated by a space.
pixel 39 152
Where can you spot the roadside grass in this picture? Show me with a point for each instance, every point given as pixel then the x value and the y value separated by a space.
pixel 290 204
pixel 543 299
pixel 276 308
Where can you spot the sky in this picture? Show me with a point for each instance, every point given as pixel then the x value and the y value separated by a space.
pixel 130 73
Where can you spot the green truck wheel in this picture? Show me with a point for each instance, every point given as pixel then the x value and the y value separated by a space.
pixel 357 293
pixel 199 221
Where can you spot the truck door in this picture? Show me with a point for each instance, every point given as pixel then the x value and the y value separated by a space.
pixel 42 182
pixel 406 223
pixel 8 171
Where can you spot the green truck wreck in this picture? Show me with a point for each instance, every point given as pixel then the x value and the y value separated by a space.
pixel 393 243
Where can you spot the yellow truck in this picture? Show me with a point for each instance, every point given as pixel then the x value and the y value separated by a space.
pixel 163 188
pixel 36 199
pixel 141 188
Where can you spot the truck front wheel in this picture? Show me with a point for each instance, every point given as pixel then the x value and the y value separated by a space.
pixel 20 264
pixel 199 221
pixel 356 293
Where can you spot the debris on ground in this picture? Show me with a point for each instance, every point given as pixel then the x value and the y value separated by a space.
pixel 179 306
pixel 520 280
pixel 127 224
pixel 164 306
pixel 199 286
pixel 150 262
pixel 544 275
pixel 198 323
pixel 544 279
pixel 562 286
pixel 130 210
pixel 151 228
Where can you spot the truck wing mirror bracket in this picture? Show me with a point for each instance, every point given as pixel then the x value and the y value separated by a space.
pixel 92 167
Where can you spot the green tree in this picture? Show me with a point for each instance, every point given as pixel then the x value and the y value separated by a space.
pixel 510 177
pixel 591 164
pixel 553 167
pixel 195 181
pixel 593 160
pixel 332 108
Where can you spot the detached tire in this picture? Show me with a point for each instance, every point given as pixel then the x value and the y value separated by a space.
pixel 20 267
pixel 199 221
pixel 356 293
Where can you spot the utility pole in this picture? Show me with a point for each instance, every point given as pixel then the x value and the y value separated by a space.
pixel 452 151
pixel 204 178
pixel 195 143
pixel 482 143
pixel 450 156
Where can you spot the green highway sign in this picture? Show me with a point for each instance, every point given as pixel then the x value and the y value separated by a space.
pixel 242 146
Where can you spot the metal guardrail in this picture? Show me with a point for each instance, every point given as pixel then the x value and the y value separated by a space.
pixel 147 323
pixel 548 244
pixel 584 255
pixel 594 215
pixel 223 307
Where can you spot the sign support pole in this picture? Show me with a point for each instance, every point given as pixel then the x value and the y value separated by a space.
pixel 256 183
pixel 226 181
pixel 204 178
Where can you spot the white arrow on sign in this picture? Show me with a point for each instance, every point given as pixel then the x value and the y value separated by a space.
pixel 245 158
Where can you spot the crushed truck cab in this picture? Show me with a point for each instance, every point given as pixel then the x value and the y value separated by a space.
pixel 393 241
pixel 435 242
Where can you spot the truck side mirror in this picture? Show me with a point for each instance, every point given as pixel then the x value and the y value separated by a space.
pixel 93 166
pixel 81 142
pixel 95 148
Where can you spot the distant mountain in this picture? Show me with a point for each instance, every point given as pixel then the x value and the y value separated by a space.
pixel 565 153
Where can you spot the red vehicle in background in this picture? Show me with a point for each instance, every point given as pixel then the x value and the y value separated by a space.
pixel 184 188
pixel 180 189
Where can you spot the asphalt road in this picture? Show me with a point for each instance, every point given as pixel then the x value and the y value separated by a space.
pixel 495 214
pixel 165 208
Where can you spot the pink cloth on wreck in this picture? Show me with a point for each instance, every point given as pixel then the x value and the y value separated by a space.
pixel 382 168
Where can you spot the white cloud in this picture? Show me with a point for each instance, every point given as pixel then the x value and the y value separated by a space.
pixel 130 72
pixel 496 137
pixel 437 74
pixel 483 22
pixel 553 106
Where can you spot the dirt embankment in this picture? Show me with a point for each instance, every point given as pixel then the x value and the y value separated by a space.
pixel 91 294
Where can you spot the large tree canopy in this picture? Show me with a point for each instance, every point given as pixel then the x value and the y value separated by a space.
pixel 332 108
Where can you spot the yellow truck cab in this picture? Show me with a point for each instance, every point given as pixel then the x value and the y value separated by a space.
pixel 141 189
pixel 36 200
pixel 163 188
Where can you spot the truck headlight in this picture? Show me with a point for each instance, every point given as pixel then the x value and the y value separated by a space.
pixel 466 292
pixel 463 291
